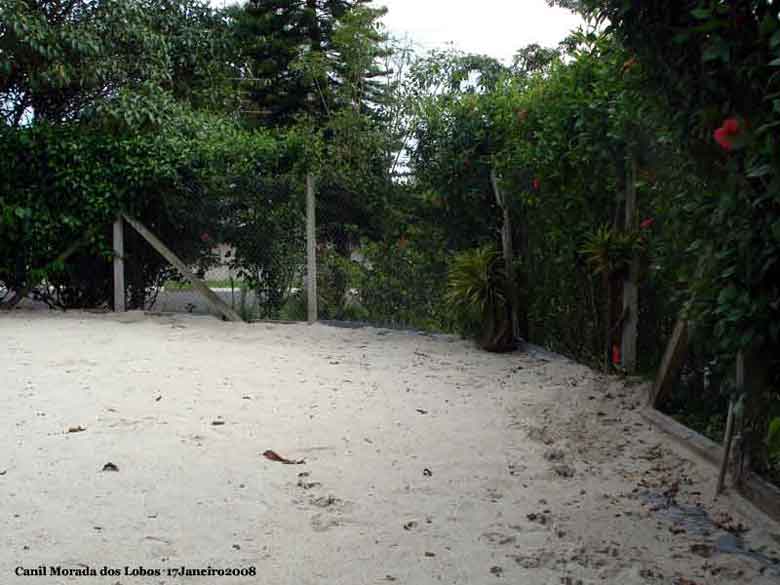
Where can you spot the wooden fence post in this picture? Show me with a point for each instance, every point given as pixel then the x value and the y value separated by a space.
pixel 674 357
pixel 628 341
pixel 730 424
pixel 212 298
pixel 508 252
pixel 311 249
pixel 119 266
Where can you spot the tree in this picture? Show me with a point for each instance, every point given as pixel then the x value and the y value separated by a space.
pixel 63 61
pixel 107 106
pixel 453 142
pixel 573 5
pixel 292 61
pixel 533 59
pixel 269 36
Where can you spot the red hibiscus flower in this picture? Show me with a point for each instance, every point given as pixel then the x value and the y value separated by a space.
pixel 647 224
pixel 537 184
pixel 204 237
pixel 731 126
pixel 722 138
pixel 616 355
pixel 723 135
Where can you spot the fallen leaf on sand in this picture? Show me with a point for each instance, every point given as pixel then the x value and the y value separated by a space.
pixel 77 429
pixel 110 467
pixel 703 550
pixel 421 411
pixel 427 472
pixel 274 456
pixel 540 518
pixel 3 472
pixel 217 423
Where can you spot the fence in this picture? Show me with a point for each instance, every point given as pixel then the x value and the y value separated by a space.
pixel 250 265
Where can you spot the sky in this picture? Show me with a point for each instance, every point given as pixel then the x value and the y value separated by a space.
pixel 492 27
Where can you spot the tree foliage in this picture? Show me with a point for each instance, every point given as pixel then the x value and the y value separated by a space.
pixel 309 58
pixel 716 65
pixel 68 61
pixel 110 106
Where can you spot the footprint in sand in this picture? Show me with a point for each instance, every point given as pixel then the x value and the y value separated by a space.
pixel 540 435
pixel 333 514
pixel 326 502
pixel 535 560
pixel 498 539
pixel 323 522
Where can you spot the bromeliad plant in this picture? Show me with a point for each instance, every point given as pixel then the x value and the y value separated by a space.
pixel 477 291
pixel 609 253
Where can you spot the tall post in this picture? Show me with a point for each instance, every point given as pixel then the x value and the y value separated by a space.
pixel 119 266
pixel 509 254
pixel 311 249
pixel 730 424
pixel 628 349
pixel 741 463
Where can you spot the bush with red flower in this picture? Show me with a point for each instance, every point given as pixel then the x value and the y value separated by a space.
pixel 703 59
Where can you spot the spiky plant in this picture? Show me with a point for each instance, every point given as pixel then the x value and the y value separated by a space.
pixel 476 287
pixel 609 252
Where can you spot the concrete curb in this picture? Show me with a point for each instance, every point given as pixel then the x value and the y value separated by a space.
pixel 759 492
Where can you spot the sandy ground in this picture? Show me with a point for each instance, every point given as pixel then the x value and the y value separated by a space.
pixel 426 461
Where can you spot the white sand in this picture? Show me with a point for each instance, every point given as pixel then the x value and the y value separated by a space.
pixel 491 431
